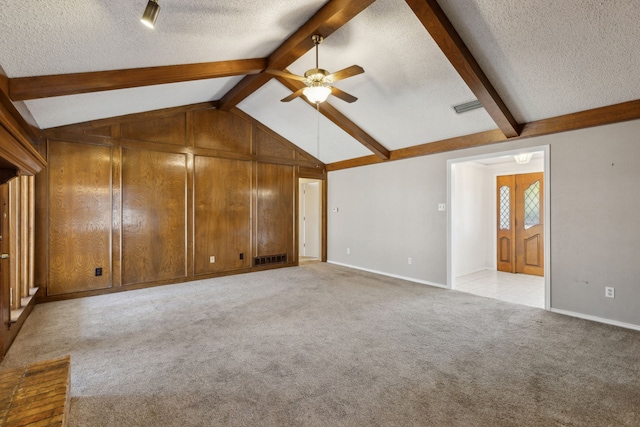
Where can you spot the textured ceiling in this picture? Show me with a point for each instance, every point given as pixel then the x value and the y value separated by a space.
pixel 63 110
pixel 71 36
pixel 545 58
pixel 408 89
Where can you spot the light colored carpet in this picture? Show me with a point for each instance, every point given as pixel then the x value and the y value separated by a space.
pixel 322 345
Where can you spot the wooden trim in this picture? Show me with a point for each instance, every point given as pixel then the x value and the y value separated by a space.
pixel 24 88
pixel 328 19
pixel 451 44
pixel 602 116
pixel 332 113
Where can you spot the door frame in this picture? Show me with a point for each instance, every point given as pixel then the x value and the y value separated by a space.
pixel 547 213
pixel 323 214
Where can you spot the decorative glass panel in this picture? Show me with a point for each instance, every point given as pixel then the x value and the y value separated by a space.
pixel 532 205
pixel 505 208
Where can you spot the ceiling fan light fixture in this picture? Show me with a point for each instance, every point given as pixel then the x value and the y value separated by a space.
pixel 317 94
pixel 522 158
pixel 150 14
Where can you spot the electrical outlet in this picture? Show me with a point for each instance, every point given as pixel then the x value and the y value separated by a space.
pixel 442 207
pixel 212 259
pixel 242 256
pixel 409 261
pixel 609 292
pixel 348 251
pixel 98 271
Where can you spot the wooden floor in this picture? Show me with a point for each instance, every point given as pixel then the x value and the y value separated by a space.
pixel 36 394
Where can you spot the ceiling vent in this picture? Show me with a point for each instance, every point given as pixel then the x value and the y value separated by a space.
pixel 467 106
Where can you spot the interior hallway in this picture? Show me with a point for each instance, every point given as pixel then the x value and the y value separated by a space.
pixel 522 289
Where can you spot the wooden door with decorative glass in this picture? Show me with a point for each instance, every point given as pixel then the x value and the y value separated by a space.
pixel 520 223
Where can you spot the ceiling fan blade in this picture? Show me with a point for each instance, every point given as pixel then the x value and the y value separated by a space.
pixel 342 95
pixel 293 96
pixel 286 75
pixel 354 70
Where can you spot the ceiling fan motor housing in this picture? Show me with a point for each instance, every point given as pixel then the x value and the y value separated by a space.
pixel 317 77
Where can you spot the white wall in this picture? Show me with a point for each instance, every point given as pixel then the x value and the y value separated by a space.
pixel 471 218
pixel 388 212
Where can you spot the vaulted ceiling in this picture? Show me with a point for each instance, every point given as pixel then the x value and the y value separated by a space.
pixel 532 64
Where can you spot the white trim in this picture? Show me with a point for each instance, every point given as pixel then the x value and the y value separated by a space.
pixel 547 213
pixel 395 276
pixel 596 319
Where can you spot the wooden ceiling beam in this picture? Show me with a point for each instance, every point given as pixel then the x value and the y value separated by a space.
pixel 447 38
pixel 325 22
pixel 24 88
pixel 331 113
pixel 18 113
pixel 602 116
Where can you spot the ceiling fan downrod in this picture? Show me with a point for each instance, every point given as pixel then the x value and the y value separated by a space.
pixel 317 39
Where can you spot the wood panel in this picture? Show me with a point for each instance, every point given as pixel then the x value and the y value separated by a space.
pixel 220 130
pixel 167 130
pixel 276 189
pixel 79 217
pixel 222 214
pixel 154 216
pixel 270 146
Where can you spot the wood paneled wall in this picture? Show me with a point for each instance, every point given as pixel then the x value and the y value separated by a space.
pixel 164 197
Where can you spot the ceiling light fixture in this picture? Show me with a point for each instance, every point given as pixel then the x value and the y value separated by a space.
pixel 316 94
pixel 151 14
pixel 467 106
pixel 522 158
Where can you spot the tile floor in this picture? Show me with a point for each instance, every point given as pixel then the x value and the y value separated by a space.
pixel 516 288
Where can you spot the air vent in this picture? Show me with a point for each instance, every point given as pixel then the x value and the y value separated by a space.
pixel 270 259
pixel 467 106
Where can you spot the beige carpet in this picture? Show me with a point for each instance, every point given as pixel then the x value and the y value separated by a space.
pixel 322 345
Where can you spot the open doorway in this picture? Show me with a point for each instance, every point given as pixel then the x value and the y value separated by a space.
pixel 474 227
pixel 310 220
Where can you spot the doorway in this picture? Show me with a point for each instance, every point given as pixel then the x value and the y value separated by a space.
pixel 472 198
pixel 310 220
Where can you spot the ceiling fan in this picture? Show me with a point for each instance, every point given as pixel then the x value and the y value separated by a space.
pixel 319 81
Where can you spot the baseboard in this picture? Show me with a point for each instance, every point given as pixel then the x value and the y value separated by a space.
pixel 395 276
pixel 597 319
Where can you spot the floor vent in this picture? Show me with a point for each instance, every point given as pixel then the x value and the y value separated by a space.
pixel 270 259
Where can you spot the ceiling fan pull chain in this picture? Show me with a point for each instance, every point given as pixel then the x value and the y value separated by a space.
pixel 318 134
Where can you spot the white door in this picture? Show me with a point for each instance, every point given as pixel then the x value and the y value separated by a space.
pixel 310 217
